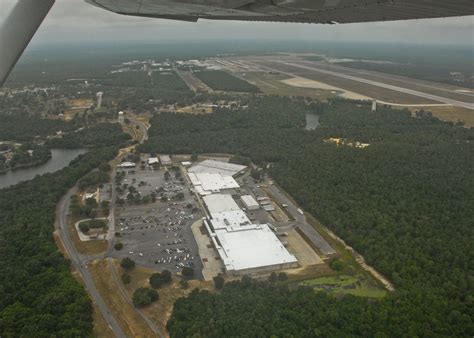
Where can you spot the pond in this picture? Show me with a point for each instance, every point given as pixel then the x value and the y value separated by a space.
pixel 312 121
pixel 60 158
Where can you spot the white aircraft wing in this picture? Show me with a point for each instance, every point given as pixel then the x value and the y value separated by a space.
pixel 307 11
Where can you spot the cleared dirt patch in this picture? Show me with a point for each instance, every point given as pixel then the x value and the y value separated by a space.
pixel 306 83
pixel 303 252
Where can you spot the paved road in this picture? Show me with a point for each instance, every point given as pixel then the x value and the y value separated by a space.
pixel 300 221
pixel 80 263
pixel 385 85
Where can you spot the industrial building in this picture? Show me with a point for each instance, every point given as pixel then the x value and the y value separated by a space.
pixel 209 176
pixel 165 160
pixel 217 167
pixel 243 247
pixel 249 202
pixel 127 165
pixel 153 161
pixel 206 184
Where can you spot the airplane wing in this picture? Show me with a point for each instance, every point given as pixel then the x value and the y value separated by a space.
pixel 305 11
pixel 27 15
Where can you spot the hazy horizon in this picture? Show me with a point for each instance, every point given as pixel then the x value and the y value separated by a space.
pixel 76 22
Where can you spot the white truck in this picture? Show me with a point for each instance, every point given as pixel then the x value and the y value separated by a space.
pixel 300 211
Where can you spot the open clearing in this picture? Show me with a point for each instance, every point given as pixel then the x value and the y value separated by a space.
pixel 130 321
pixel 271 84
pixel 450 113
pixel 160 311
pixel 306 83
pixel 88 248
pixel 345 284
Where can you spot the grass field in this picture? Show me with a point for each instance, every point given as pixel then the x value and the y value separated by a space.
pixel 345 284
pixel 101 328
pixel 452 114
pixel 86 248
pixel 129 320
pixel 270 83
pixel 223 81
pixel 160 311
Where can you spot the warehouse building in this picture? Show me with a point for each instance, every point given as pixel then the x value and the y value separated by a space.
pixel 249 202
pixel 217 167
pixel 165 160
pixel 243 247
pixel 206 184
pixel 127 165
pixel 210 177
pixel 153 161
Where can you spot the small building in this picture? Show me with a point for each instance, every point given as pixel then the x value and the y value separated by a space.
pixel 165 160
pixel 269 208
pixel 121 117
pixel 249 202
pixel 153 161
pixel 127 165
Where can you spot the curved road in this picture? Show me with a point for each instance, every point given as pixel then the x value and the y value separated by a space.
pixel 80 263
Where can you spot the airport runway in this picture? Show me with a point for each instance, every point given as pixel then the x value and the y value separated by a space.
pixel 387 86
pixel 406 91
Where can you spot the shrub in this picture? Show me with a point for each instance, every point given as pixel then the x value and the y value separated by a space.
pixel 187 272
pixel 218 282
pixel 144 296
pixel 127 263
pixel 126 278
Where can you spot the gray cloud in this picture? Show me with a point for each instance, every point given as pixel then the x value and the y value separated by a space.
pixel 75 20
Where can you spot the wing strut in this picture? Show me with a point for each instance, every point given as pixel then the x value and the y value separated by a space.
pixel 17 31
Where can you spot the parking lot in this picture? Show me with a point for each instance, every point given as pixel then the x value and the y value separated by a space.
pixel 158 234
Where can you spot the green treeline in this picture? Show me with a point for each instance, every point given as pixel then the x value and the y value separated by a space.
pixel 220 80
pixel 21 157
pixel 22 127
pixel 97 135
pixel 38 295
pixel 404 202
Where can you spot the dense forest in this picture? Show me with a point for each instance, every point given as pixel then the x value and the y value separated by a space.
pixel 97 135
pixel 38 295
pixel 22 127
pixel 167 87
pixel 220 80
pixel 25 156
pixel 404 202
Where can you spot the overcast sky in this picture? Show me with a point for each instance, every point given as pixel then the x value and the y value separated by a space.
pixel 77 21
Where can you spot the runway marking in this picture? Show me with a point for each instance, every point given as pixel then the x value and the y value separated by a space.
pixel 387 86
pixel 396 78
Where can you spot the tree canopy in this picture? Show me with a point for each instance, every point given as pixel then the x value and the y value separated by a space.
pixel 403 202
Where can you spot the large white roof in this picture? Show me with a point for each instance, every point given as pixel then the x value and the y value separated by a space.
pixel 217 167
pixel 252 247
pixel 241 244
pixel 218 203
pixel 216 182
